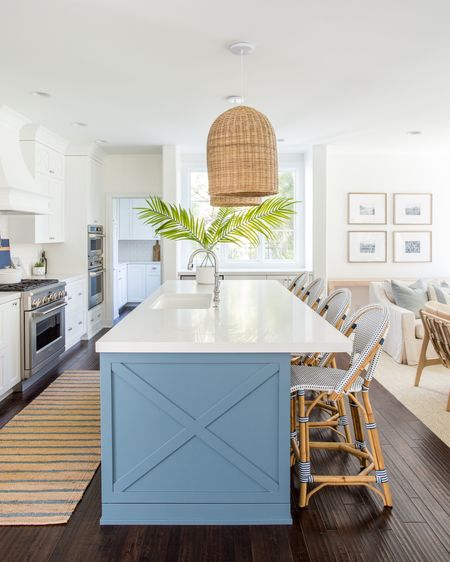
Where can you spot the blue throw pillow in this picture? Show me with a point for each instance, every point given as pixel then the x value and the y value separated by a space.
pixel 412 297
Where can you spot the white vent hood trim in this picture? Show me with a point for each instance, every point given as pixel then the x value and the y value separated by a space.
pixel 19 191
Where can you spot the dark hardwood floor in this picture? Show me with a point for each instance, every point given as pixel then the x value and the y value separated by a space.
pixel 341 524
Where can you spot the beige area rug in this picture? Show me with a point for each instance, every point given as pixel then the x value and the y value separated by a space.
pixel 50 451
pixel 427 401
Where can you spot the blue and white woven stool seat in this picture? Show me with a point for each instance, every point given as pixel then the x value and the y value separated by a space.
pixel 320 379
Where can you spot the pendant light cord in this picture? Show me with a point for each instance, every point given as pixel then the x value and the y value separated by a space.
pixel 242 76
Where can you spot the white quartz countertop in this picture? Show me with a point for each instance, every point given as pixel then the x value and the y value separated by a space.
pixel 8 296
pixel 252 317
pixel 67 277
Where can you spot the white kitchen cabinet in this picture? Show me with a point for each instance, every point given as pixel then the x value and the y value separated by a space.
pixel 95 320
pixel 131 227
pixel 9 345
pixel 47 166
pixel 123 285
pixel 120 288
pixel 75 312
pixel 152 278
pixel 96 213
pixel 143 279
pixel 136 282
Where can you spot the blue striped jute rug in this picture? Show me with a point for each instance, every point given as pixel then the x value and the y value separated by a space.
pixel 50 451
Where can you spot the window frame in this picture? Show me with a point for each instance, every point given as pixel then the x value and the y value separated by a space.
pixel 286 162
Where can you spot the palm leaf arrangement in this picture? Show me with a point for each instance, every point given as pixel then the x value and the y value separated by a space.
pixel 230 226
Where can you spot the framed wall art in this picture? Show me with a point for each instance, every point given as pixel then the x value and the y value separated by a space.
pixel 412 247
pixel 367 247
pixel 413 208
pixel 367 208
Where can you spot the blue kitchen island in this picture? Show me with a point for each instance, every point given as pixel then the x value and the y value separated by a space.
pixel 195 404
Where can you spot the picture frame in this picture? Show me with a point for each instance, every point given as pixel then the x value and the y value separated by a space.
pixel 367 246
pixel 413 208
pixel 367 208
pixel 412 246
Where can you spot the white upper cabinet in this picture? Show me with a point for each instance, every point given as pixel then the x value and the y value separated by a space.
pixel 46 163
pixel 96 213
pixel 131 227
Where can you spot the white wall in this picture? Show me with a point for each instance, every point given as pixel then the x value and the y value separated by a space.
pixel 133 174
pixel 28 253
pixel 349 170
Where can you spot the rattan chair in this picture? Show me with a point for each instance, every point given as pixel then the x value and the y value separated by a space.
pixel 334 309
pixel 313 292
pixel 298 285
pixel 332 384
pixel 436 323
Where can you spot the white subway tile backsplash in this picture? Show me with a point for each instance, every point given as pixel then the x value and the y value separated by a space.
pixel 135 250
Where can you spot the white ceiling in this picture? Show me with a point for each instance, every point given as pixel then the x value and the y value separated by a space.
pixel 142 72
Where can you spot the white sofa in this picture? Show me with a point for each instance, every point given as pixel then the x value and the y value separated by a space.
pixel 404 339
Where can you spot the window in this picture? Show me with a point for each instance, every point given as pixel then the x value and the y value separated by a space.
pixel 287 249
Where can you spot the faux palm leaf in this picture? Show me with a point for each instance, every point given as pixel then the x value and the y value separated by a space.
pixel 230 226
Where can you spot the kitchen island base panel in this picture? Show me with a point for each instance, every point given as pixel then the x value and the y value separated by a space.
pixel 196 438
pixel 195 514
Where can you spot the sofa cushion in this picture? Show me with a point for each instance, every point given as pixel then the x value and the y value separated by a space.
pixel 388 291
pixel 412 297
pixel 439 292
pixel 419 329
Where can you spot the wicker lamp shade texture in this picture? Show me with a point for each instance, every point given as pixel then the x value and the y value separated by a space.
pixel 242 155
pixel 234 201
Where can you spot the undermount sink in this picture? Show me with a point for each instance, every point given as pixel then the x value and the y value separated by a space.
pixel 182 300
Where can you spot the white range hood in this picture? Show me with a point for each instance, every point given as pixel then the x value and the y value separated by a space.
pixel 19 191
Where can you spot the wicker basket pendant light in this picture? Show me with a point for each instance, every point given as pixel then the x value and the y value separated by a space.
pixel 242 156
pixel 234 201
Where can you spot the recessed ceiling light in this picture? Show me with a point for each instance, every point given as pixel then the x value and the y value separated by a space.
pixel 39 94
pixel 79 124
pixel 414 132
pixel 235 100
pixel 101 141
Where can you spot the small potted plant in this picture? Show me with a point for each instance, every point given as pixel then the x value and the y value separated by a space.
pixel 39 268
pixel 229 225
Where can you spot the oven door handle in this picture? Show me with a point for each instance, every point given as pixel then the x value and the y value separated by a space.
pixel 96 273
pixel 40 314
pixel 92 235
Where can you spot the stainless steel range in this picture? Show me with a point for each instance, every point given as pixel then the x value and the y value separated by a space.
pixel 43 340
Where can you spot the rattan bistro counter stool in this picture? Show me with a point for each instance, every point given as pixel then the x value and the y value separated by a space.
pixel 298 284
pixel 313 292
pixel 334 309
pixel 333 384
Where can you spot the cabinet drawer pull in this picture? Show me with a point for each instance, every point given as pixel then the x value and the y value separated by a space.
pixel 79 294
pixel 51 171
pixel 69 329
pixel 69 298
pixel 14 304
pixel 80 322
pixel 51 237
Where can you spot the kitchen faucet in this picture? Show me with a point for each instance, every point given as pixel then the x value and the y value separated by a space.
pixel 190 267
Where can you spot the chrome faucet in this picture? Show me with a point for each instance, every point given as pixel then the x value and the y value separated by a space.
pixel 210 253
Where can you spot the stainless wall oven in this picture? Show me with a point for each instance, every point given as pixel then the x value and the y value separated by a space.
pixel 95 240
pixel 96 273
pixel 96 283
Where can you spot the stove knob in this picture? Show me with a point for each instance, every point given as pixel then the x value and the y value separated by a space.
pixel 36 303
pixel 53 296
pixel 61 294
pixel 44 300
